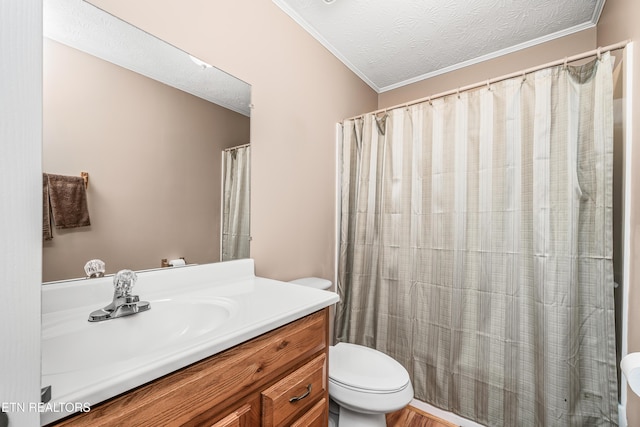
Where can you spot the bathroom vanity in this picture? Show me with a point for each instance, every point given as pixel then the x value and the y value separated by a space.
pixel 254 354
pixel 250 384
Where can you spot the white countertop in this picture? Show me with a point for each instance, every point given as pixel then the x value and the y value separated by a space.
pixel 255 306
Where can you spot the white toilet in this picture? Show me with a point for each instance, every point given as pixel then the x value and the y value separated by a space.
pixel 364 384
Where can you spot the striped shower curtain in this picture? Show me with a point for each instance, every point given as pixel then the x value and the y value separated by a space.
pixel 476 247
pixel 236 236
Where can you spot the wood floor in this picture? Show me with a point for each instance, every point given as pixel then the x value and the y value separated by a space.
pixel 414 417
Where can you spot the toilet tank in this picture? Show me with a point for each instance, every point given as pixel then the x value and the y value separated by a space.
pixel 313 282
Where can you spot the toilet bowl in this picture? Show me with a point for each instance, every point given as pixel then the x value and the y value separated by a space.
pixel 364 384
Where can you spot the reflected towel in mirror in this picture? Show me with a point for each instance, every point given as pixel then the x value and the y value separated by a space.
pixel 67 200
pixel 47 233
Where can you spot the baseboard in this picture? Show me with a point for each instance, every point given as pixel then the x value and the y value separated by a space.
pixel 622 416
pixel 463 422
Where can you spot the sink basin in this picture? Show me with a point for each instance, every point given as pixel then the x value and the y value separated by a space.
pixel 72 343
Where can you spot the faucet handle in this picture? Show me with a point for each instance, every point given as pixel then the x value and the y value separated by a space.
pixel 123 282
pixel 94 268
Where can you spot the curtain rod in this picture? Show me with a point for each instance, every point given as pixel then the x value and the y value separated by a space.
pixel 237 147
pixel 598 52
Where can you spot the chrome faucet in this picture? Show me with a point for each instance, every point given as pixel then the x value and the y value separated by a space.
pixel 123 304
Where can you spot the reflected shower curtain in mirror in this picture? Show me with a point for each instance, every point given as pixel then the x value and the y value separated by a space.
pixel 235 206
pixel 476 247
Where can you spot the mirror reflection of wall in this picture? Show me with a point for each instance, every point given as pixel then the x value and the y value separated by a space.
pixel 153 157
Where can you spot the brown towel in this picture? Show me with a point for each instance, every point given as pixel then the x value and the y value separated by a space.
pixel 47 233
pixel 68 201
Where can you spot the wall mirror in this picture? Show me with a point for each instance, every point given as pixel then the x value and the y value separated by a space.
pixel 153 127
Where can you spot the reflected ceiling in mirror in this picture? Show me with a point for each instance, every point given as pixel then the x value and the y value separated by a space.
pixel 87 28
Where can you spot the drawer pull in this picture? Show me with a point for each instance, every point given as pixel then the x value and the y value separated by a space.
pixel 302 396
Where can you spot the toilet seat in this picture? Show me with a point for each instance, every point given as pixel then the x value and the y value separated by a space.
pixel 366 370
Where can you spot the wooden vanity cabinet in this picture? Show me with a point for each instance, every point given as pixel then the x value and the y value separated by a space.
pixel 276 379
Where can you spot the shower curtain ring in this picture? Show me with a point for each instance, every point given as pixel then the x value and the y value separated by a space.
pixel 599 53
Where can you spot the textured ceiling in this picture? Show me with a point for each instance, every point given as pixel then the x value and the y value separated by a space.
pixel 393 43
pixel 84 27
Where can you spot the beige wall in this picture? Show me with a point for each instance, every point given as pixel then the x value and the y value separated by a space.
pixel 540 54
pixel 299 91
pixel 153 154
pixel 619 21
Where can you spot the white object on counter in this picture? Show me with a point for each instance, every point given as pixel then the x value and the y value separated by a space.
pixel 180 262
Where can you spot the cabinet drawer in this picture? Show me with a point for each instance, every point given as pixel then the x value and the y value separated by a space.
pixel 294 394
pixel 314 417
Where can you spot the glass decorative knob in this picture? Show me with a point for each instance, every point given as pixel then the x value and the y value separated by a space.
pixel 123 282
pixel 94 268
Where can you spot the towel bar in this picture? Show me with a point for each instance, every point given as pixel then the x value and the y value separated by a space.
pixel 85 176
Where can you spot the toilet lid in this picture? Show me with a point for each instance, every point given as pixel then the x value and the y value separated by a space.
pixel 364 368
